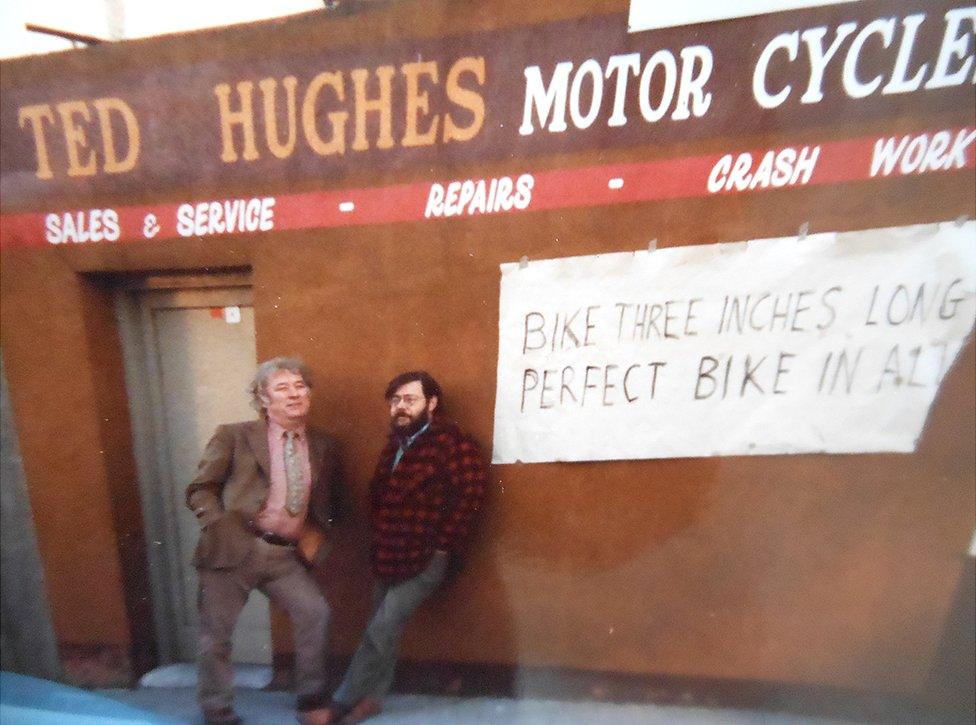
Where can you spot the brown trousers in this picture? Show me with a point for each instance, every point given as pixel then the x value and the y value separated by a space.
pixel 276 572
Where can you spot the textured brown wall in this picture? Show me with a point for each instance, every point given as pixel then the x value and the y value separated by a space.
pixel 58 393
pixel 802 569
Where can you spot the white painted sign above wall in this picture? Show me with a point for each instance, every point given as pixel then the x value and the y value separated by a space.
pixel 833 343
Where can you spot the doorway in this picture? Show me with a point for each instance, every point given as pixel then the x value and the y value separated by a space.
pixel 189 349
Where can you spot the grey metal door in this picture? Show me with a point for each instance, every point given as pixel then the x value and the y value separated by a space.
pixel 190 354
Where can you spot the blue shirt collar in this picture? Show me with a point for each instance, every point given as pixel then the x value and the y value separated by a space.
pixel 405 444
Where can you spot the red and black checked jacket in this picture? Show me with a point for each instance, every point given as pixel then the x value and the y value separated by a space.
pixel 429 501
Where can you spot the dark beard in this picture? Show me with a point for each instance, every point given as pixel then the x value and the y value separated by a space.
pixel 404 432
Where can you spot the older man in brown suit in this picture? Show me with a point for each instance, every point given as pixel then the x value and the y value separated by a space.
pixel 258 488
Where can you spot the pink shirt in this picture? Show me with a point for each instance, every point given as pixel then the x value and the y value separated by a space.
pixel 273 517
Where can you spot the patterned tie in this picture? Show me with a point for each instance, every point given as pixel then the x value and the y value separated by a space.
pixel 293 474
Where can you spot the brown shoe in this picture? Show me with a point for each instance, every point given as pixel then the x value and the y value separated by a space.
pixel 221 716
pixel 320 716
pixel 364 709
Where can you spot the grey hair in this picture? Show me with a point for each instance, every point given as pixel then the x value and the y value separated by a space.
pixel 259 384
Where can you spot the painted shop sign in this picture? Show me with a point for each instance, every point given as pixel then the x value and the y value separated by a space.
pixel 307 119
pixel 828 162
pixel 835 343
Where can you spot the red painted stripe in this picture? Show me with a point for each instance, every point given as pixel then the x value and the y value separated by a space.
pixel 838 162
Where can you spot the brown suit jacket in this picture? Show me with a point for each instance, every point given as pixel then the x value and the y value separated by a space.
pixel 232 484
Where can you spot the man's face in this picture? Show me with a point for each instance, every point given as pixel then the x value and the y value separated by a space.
pixel 409 409
pixel 287 398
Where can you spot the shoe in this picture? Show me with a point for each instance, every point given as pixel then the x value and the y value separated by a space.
pixel 221 716
pixel 363 710
pixel 320 716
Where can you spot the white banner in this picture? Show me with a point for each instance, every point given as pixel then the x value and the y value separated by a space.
pixel 834 343
pixel 652 14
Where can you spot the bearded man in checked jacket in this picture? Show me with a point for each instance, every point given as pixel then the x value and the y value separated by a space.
pixel 427 489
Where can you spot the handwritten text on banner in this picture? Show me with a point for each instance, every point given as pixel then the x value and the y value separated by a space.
pixel 834 343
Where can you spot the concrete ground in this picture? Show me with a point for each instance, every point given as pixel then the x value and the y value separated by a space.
pixel 169 691
pixel 259 707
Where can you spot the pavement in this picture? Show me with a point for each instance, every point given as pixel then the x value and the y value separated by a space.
pixel 168 695
pixel 169 692
pixel 258 707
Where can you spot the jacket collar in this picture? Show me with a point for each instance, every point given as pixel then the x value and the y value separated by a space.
pixel 256 434
pixel 316 451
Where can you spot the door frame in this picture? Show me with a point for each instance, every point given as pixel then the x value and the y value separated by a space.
pixel 140 360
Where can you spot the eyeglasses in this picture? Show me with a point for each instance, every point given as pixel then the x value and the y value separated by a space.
pixel 408 400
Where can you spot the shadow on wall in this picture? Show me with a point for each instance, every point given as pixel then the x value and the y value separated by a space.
pixel 29 645
pixel 951 680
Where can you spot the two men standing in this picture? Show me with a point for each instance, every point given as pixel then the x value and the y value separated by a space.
pixel 260 481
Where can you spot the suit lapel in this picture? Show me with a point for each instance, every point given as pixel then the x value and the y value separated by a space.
pixel 315 454
pixel 257 440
